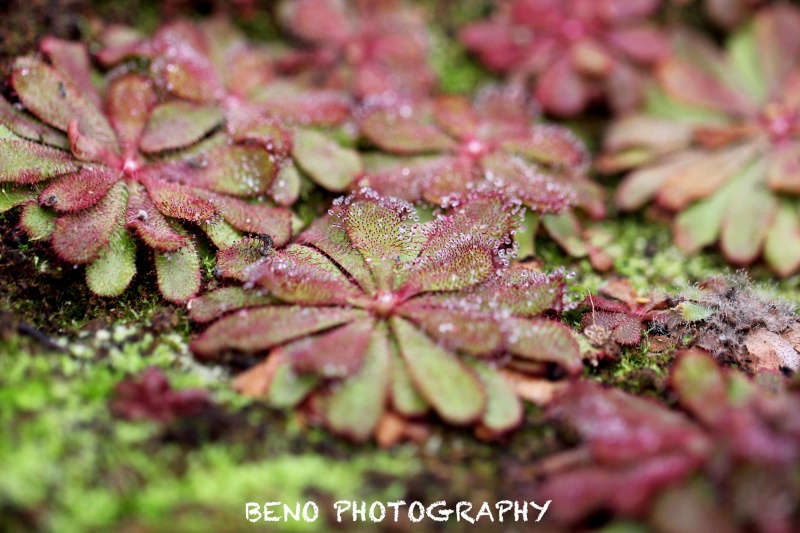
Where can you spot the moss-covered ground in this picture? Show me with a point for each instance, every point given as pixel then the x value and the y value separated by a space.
pixel 67 465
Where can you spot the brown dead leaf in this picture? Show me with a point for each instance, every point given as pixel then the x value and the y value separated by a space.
pixel 393 429
pixel 536 390
pixel 255 382
pixel 770 351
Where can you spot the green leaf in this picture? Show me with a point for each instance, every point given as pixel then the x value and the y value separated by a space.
pixel 743 54
pixel 445 382
pixel 526 235
pixel 782 247
pixel 115 266
pixel 179 273
pixel 357 405
pixel 287 388
pixel 222 234
pixel 37 222
pixel 178 124
pixel 693 312
pixel 325 161
pixel 566 231
pixel 405 398
pixel 503 408
pixel 11 197
pixel 28 162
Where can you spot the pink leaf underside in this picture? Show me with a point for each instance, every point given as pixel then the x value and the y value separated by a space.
pixel 626 489
pixel 330 238
pixel 493 44
pixel 56 100
pixel 148 222
pixel 79 190
pixel 78 238
pixel 178 201
pixel 561 90
pixel 180 61
pixel 246 125
pixel 316 21
pixel 302 275
pixel 618 426
pixel 29 127
pixel 213 305
pixel 246 69
pixel 335 354
pixel 178 124
pixel 71 60
pixel 393 132
pixel 644 44
pixel 690 85
pixel 253 330
pixel 28 162
pixel 256 218
pixel 238 170
pixel 778 44
pixel 296 104
pixel 130 100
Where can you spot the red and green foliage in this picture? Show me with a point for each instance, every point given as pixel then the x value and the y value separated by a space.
pixel 719 143
pixel 442 149
pixel 619 316
pixel 95 161
pixel 578 51
pixel 149 396
pixel 365 47
pixel 370 311
pixel 211 63
pixel 733 436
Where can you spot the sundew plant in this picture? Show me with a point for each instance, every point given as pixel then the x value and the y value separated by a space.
pixel 471 255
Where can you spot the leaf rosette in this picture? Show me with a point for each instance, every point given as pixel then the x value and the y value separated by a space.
pixel 441 149
pixel 577 51
pixel 96 161
pixel 213 64
pixel 365 48
pixel 719 143
pixel 370 311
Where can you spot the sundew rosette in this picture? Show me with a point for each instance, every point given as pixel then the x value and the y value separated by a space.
pixel 440 149
pixel 98 163
pixel 370 311
pixel 212 64
pixel 718 144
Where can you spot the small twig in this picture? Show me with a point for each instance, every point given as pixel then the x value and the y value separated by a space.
pixel 41 338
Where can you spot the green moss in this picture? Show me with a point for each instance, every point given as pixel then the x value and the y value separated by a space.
pixel 81 470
